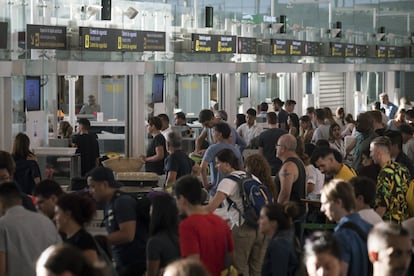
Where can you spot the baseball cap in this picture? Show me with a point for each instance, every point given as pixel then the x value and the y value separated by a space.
pixel 104 174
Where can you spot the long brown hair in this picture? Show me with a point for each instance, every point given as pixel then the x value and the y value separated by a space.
pixel 257 165
pixel 21 146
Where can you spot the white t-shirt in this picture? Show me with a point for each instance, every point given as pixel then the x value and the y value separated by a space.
pixel 248 133
pixel 370 216
pixel 231 189
pixel 315 177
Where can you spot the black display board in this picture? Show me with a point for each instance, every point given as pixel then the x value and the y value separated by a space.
pixel 3 35
pixel 361 50
pixel 247 45
pixel 350 50
pixel 396 52
pixel 98 39
pixel 152 41
pixel 128 41
pixel 203 43
pixel 337 49
pixel 382 51
pixel 297 48
pixel 312 48
pixel 46 37
pixel 280 47
pixel 103 39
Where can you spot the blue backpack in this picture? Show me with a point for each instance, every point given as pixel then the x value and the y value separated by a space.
pixel 254 194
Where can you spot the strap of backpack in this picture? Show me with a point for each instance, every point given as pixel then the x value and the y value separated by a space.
pixel 238 180
pixel 356 229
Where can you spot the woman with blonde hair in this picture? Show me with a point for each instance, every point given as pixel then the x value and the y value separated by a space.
pixel 257 165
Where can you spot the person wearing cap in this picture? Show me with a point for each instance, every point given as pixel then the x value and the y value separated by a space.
pixel 390 108
pixel 281 113
pixel 127 237
pixel 91 107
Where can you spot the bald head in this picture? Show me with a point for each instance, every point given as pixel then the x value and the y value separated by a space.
pixel 288 141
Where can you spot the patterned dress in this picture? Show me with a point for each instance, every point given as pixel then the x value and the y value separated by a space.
pixel 392 185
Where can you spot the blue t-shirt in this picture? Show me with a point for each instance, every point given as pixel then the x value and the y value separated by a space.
pixel 353 248
pixel 209 157
pixel 236 139
pixel 122 208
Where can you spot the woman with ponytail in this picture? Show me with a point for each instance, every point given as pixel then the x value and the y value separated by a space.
pixel 275 222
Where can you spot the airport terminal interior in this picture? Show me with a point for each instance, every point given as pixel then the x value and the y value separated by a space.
pixel 119 68
pixel 139 59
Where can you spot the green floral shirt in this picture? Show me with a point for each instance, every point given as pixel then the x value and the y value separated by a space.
pixel 392 186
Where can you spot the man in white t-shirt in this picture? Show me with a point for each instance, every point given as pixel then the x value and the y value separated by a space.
pixel 364 189
pixel 249 130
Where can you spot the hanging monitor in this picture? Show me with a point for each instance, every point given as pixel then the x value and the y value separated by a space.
pixel 309 84
pixel 158 88
pixel 32 93
pixel 244 85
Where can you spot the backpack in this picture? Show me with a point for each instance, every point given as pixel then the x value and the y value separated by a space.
pixel 254 194
pixel 143 204
pixel 364 236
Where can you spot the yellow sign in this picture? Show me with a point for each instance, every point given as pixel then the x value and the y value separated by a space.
pixel 86 41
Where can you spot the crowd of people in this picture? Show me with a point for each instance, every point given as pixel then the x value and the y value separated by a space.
pixel 317 168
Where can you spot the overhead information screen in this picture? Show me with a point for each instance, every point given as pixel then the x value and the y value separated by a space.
pixel 46 37
pixel 127 41
pixel 103 39
pixel 151 41
pixel 361 50
pixel 396 52
pixel 312 48
pixel 3 35
pixel 337 49
pixel 280 47
pixel 350 50
pixel 202 43
pixel 99 39
pixel 382 51
pixel 247 45
pixel 297 48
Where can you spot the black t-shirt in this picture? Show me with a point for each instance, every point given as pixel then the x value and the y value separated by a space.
pixel 282 117
pixel 157 166
pixel 82 240
pixel 180 163
pixel 163 247
pixel 26 172
pixel 268 140
pixel 123 208
pixel 88 147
